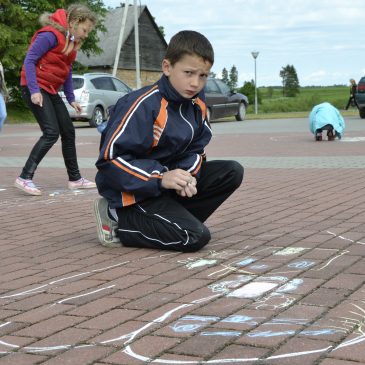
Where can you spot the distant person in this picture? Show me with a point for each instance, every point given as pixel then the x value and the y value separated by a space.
pixel 158 189
pixel 3 97
pixel 353 89
pixel 326 117
pixel 48 66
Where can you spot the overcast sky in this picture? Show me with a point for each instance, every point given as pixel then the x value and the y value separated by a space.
pixel 322 39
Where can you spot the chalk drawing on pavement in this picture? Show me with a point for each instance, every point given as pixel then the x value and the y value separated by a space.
pixel 265 291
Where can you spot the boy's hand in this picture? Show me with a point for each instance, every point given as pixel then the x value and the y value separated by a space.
pixel 181 181
pixel 188 191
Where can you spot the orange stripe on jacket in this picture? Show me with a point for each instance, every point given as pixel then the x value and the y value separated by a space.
pixel 136 174
pixel 203 107
pixel 160 122
pixel 198 167
pixel 128 199
pixel 124 119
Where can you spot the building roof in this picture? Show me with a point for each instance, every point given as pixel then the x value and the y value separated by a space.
pixel 108 41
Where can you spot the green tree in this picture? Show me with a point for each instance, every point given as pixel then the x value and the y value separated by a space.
pixel 19 21
pixel 225 75
pixel 290 81
pixel 248 89
pixel 233 78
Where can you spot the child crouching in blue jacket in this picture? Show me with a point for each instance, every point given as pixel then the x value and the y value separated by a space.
pixel 325 116
pixel 157 187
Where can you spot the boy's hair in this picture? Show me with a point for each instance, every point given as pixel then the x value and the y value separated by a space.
pixel 189 42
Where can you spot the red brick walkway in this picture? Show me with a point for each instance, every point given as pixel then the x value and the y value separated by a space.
pixel 282 281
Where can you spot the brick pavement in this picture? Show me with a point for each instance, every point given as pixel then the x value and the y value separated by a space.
pixel 282 281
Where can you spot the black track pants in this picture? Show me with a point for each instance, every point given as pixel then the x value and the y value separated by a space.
pixel 171 222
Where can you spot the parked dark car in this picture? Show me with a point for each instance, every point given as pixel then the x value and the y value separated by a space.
pixel 223 102
pixel 95 92
pixel 360 97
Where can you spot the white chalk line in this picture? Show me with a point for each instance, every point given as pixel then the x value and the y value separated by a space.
pixel 83 295
pixel 36 290
pixel 345 238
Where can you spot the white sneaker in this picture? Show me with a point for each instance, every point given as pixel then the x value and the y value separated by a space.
pixel 81 184
pixel 27 186
pixel 105 226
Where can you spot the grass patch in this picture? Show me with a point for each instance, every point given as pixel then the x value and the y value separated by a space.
pixel 18 115
pixel 273 100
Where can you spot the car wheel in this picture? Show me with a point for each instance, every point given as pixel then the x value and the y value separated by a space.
pixel 97 118
pixel 209 114
pixel 241 112
pixel 362 113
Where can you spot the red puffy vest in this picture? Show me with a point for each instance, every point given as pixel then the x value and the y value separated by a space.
pixel 53 68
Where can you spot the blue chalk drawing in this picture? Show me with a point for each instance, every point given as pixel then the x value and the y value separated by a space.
pixel 179 327
pixel 259 266
pixel 200 318
pixel 245 262
pixel 222 333
pixel 242 319
pixel 301 264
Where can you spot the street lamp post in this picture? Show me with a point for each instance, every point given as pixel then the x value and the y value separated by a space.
pixel 254 55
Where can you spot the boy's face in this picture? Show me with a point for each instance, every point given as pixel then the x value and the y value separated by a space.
pixel 188 76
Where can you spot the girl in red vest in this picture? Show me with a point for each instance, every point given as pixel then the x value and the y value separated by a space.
pixel 48 66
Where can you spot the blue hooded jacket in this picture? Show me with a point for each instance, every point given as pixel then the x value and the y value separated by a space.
pixel 150 131
pixel 323 114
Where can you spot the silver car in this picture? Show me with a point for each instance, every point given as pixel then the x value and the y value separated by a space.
pixel 95 92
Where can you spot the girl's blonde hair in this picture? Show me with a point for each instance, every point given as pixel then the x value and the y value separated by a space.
pixel 77 13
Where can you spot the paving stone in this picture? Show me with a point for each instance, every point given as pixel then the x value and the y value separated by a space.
pixel 22 359
pixel 236 352
pixel 351 349
pixel 299 351
pixel 346 281
pixel 49 326
pixel 63 340
pixel 202 345
pixel 96 307
pixel 77 356
pixel 151 301
pixel 111 318
pixel 338 362
pixel 324 297
pixel 147 347
pixel 122 333
pixel 38 314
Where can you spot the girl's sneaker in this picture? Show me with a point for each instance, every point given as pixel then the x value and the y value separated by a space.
pixel 81 184
pixel 27 186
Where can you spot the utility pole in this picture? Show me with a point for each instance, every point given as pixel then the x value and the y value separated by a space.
pixel 254 55
pixel 136 41
pixel 120 40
